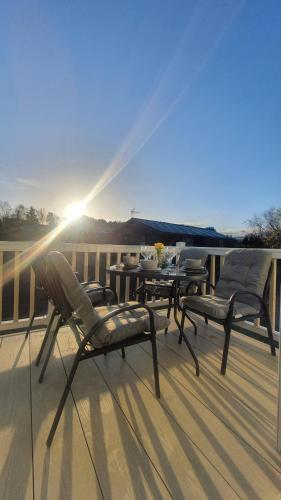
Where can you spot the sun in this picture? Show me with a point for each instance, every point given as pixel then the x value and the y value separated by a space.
pixel 74 211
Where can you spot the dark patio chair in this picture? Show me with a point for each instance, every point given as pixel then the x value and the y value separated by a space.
pixel 165 289
pixel 98 294
pixel 241 294
pixel 102 329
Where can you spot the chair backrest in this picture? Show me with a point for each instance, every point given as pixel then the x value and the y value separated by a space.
pixel 193 253
pixel 244 270
pixel 39 266
pixel 74 296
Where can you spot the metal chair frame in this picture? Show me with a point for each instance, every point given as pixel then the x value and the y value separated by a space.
pixel 230 320
pixel 85 349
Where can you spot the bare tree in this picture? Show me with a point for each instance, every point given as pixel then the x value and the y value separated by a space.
pixel 5 210
pixel 267 226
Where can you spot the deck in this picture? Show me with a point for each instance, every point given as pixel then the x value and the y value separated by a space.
pixel 208 437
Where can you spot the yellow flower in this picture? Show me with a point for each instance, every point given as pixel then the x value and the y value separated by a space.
pixel 159 246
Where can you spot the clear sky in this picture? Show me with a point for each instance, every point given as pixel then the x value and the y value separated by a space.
pixel 174 104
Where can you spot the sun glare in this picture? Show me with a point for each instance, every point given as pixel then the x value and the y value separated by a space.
pixel 74 210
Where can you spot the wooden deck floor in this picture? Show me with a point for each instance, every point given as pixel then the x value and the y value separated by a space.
pixel 208 437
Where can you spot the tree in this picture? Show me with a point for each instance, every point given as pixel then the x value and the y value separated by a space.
pixel 5 210
pixel 20 212
pixel 41 215
pixel 52 219
pixel 31 215
pixel 267 227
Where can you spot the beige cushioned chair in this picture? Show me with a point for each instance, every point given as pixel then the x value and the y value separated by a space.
pixel 103 329
pixel 241 294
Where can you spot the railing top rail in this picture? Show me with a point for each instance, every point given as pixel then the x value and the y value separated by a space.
pixel 20 246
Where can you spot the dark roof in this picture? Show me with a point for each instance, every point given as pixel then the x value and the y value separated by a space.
pixel 181 229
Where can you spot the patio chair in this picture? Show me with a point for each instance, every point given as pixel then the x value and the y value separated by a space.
pixel 102 329
pixel 165 289
pixel 98 294
pixel 241 294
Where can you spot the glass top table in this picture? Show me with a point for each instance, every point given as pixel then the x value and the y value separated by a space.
pixel 175 276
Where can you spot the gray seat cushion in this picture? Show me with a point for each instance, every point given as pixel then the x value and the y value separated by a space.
pixel 96 295
pixel 114 330
pixel 216 307
pixel 244 270
pixel 193 253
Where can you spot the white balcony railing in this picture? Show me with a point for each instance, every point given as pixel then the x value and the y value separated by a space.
pixel 19 298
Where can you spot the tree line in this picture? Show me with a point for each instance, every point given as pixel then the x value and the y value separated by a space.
pixel 23 214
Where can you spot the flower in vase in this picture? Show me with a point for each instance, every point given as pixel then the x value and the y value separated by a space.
pixel 159 247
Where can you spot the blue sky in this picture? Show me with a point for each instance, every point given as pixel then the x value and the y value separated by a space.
pixel 176 103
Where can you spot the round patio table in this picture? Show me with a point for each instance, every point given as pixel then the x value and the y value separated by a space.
pixel 175 275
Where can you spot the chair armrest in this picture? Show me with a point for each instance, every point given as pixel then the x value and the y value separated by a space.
pixel 235 296
pixel 198 284
pixel 93 282
pixel 115 313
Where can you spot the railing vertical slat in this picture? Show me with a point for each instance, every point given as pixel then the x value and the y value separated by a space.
pixel 1 285
pixel 73 261
pixel 272 293
pixel 107 265
pixel 86 266
pixel 16 286
pixel 32 293
pixel 117 285
pixel 213 273
pixel 97 266
pixel 127 288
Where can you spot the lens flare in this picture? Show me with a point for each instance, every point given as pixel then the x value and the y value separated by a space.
pixel 74 211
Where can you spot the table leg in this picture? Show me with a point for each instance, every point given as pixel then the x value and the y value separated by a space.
pixel 181 327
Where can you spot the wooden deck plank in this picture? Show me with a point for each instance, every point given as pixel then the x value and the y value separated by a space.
pixel 253 387
pixel 234 459
pixel 123 467
pixel 185 469
pixel 66 470
pixel 247 424
pixel 15 421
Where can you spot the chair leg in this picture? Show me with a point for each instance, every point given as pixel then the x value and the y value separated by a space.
pixel 192 322
pixel 155 366
pixel 182 326
pixel 227 329
pixel 269 330
pixel 63 400
pixel 123 352
pixel 192 354
pixel 30 325
pixel 168 313
pixel 46 336
pixel 50 350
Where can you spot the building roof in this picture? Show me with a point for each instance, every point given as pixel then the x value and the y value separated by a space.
pixel 180 229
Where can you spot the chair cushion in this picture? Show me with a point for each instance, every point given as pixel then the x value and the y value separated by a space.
pixel 125 325
pixel 244 270
pixel 98 296
pixel 74 292
pixel 216 307
pixel 193 253
pixel 114 330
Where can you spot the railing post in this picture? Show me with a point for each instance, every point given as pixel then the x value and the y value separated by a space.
pixel 97 267
pixel 86 266
pixel 213 273
pixel 272 293
pixel 107 265
pixel 73 261
pixel 1 285
pixel 118 278
pixel 32 293
pixel 16 286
